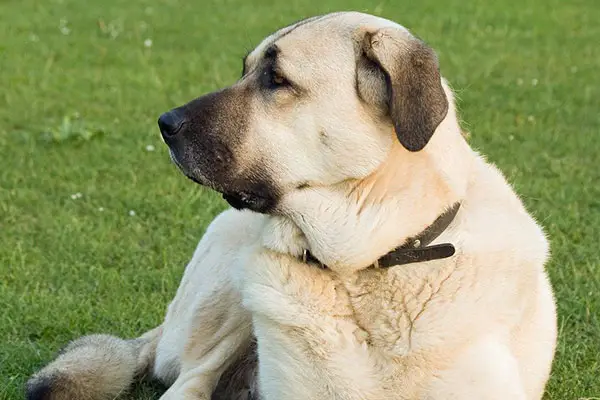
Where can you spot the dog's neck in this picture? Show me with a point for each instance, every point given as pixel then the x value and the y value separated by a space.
pixel 349 226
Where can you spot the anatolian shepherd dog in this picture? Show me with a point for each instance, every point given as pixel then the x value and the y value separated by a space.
pixel 370 253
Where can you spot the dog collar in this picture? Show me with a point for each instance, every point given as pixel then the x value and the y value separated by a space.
pixel 415 249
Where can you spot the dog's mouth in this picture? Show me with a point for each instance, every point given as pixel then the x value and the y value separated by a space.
pixel 240 194
pixel 239 200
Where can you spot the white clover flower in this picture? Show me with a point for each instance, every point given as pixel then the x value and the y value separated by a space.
pixel 101 209
pixel 131 213
pixel 150 148
pixel 76 196
pixel 534 82
pixel 148 43
pixel 531 118
pixel 64 29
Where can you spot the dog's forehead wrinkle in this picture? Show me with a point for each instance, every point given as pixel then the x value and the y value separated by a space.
pixel 344 23
pixel 293 27
pixel 304 41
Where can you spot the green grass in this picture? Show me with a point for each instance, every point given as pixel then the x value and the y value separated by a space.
pixel 526 73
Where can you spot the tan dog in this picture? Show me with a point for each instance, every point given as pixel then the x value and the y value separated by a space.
pixel 379 258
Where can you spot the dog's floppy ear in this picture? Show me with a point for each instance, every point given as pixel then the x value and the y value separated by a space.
pixel 414 96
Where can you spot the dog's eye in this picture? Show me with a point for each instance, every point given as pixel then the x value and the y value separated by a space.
pixel 278 79
pixel 274 80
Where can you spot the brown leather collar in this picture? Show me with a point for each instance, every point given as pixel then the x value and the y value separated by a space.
pixel 414 249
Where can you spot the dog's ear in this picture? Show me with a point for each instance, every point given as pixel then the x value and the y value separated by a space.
pixel 400 73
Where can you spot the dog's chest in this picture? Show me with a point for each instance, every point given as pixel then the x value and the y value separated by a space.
pixel 404 309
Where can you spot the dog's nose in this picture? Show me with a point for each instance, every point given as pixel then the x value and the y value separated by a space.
pixel 170 123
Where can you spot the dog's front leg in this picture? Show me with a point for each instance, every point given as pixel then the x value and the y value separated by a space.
pixel 206 329
pixel 220 334
pixel 310 346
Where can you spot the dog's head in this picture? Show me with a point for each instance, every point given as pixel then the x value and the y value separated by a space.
pixel 319 102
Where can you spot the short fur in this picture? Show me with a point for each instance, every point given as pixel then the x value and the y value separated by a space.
pixel 347 143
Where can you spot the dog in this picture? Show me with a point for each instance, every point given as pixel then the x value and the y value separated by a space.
pixel 369 252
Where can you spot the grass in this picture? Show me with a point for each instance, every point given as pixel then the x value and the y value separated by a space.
pixel 96 225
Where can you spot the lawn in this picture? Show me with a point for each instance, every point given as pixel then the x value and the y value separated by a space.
pixel 96 225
